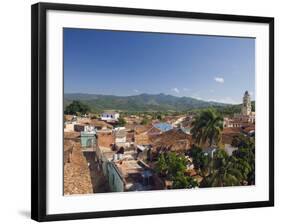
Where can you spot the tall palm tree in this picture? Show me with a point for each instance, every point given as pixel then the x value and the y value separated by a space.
pixel 224 173
pixel 207 127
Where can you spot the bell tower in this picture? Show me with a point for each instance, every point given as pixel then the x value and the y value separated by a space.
pixel 246 106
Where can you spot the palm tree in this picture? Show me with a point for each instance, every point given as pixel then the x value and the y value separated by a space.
pixel 207 126
pixel 224 173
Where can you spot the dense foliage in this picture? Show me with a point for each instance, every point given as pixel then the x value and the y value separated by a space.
pixel 207 127
pixel 224 170
pixel 245 156
pixel 173 167
pixel 77 108
pixel 181 181
pixel 200 161
pixel 121 122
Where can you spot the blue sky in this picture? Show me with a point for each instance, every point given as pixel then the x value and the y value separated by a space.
pixel 130 63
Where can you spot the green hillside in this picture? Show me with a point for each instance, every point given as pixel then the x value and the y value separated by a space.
pixel 142 102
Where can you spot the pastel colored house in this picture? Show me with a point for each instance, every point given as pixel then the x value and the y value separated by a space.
pixel 88 138
pixel 110 116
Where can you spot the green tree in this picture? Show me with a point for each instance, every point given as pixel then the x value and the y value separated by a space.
pixel 253 103
pixel 169 164
pixel 144 121
pixel 173 167
pixel 224 172
pixel 161 165
pixel 207 127
pixel 245 156
pixel 121 121
pixel 180 181
pixel 244 168
pixel 77 107
pixel 176 164
pixel 200 160
pixel 159 117
pixel 242 141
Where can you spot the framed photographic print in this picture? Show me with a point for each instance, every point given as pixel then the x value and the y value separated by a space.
pixel 139 111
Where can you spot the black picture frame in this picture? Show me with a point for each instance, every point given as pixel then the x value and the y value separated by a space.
pixel 39 122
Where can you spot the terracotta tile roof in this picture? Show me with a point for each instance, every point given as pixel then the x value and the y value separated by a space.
pixel 229 133
pixel 99 123
pixel 84 120
pixel 77 179
pixel 142 128
pixel 174 139
pixel 130 127
pixel 249 129
pixel 231 130
pixel 71 134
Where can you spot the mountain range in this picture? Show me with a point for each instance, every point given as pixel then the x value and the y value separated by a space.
pixel 142 102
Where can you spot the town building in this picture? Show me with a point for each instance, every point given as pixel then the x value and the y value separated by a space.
pixel 133 119
pixel 243 119
pixel 88 140
pixel 69 126
pixel 110 116
pixel 227 136
pixel 144 133
pixel 105 138
pixel 101 125
pixel 173 140
pixel 124 172
pixel 246 105
pixel 79 127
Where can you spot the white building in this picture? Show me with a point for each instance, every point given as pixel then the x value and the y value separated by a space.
pixel 110 116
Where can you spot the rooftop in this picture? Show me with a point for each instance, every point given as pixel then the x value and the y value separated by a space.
pixel 174 139
pixel 110 112
pixel 142 128
pixel 231 130
pixel 135 173
pixel 163 126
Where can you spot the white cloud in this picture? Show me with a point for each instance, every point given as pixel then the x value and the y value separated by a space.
pixel 136 91
pixel 251 93
pixel 176 90
pixel 219 79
